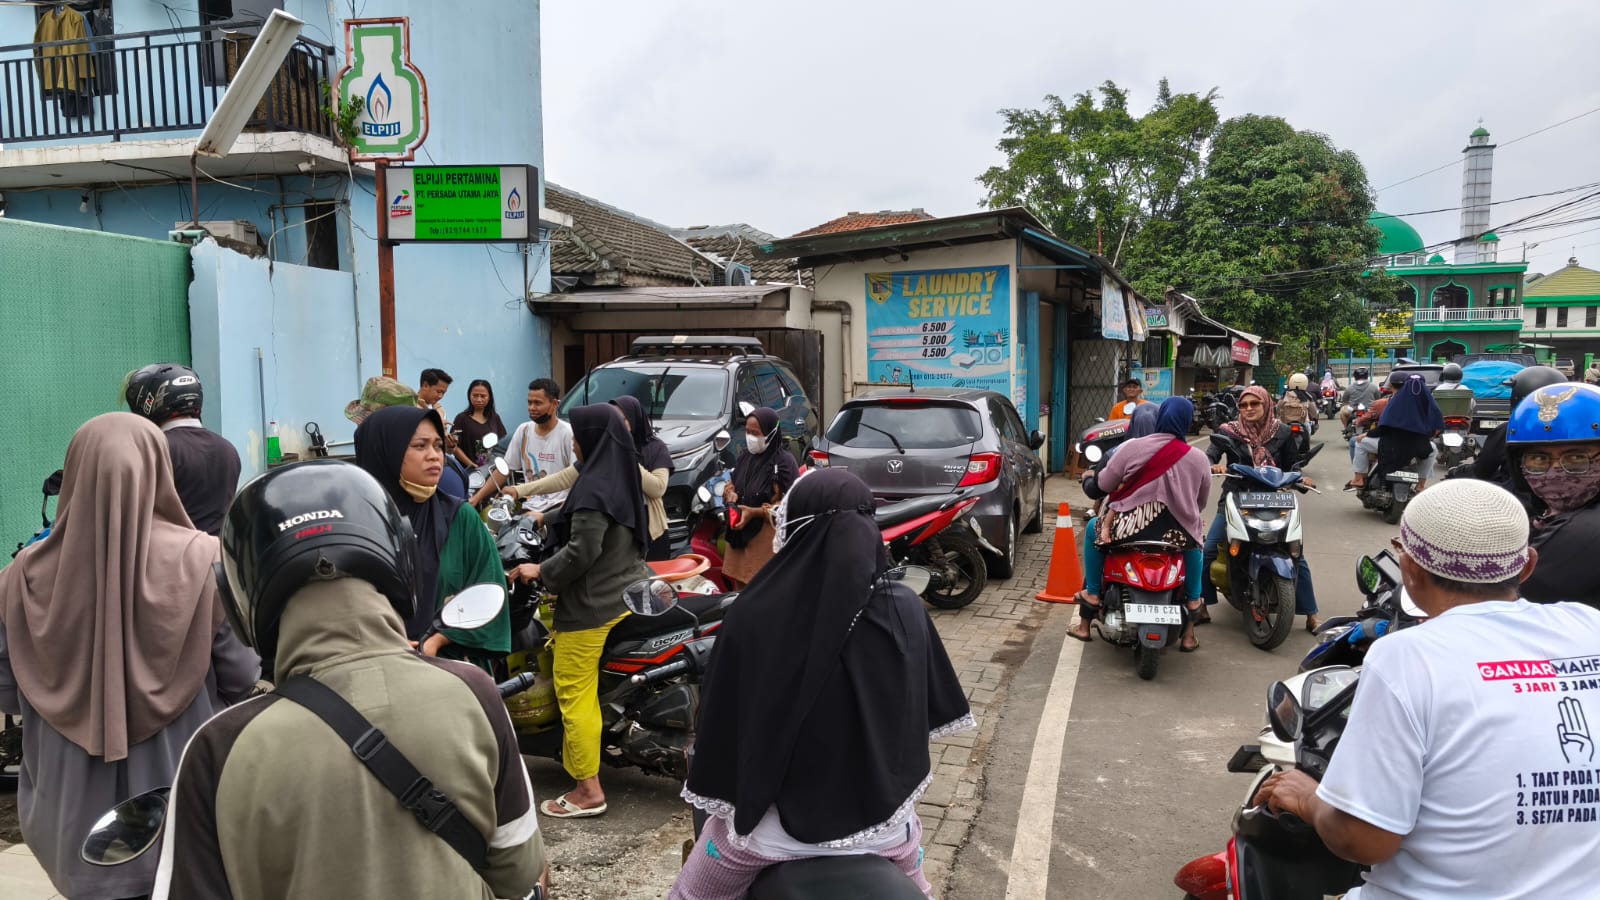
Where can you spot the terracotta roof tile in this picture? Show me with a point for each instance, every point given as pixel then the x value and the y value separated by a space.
pixel 737 244
pixel 855 221
pixel 606 239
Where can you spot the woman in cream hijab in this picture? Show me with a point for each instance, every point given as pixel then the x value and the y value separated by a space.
pixel 113 649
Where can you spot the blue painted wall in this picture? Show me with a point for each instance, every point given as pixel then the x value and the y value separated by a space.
pixel 457 308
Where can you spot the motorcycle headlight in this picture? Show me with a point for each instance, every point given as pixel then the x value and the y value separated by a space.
pixel 1268 525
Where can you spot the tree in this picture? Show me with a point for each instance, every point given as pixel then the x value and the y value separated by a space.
pixel 1093 172
pixel 1273 235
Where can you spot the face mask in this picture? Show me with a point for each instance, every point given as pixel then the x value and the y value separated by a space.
pixel 542 420
pixel 755 444
pixel 418 492
pixel 1562 492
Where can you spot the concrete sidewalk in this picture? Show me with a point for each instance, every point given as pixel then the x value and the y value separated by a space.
pixel 21 878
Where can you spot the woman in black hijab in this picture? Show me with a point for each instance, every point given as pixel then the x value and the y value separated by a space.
pixel 655 470
pixel 821 748
pixel 764 472
pixel 403 447
pixel 605 511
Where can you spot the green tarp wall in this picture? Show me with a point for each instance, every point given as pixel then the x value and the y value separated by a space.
pixel 78 311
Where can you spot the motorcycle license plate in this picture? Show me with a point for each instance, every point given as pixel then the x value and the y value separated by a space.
pixel 1487 425
pixel 1266 501
pixel 1408 477
pixel 1152 614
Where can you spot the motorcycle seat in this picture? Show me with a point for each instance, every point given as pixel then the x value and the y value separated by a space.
pixel 835 878
pixel 906 510
pixel 680 568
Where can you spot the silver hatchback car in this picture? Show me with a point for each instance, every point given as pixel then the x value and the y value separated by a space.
pixel 905 443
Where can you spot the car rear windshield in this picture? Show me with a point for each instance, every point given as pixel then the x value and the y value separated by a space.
pixel 917 426
pixel 667 392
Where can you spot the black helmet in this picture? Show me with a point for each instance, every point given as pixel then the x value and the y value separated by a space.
pixel 1531 379
pixel 1451 373
pixel 1360 374
pixel 311 521
pixel 162 391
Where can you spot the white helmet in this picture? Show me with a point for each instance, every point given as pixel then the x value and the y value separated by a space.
pixel 1299 382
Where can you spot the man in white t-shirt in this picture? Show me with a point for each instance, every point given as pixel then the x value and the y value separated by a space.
pixel 1468 767
pixel 539 447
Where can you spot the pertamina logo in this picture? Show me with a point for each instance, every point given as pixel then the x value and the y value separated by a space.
pixel 514 208
pixel 401 205
pixel 303 518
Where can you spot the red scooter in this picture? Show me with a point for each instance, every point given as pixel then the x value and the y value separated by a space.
pixel 936 533
pixel 1141 602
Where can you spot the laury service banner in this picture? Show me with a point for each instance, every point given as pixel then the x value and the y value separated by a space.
pixel 941 328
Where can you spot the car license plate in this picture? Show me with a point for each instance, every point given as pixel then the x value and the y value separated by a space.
pixel 1409 477
pixel 1266 501
pixel 1487 425
pixel 1152 614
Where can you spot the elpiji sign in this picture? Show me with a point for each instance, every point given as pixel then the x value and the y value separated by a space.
pixel 394 95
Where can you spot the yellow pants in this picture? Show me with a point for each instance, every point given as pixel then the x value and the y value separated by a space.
pixel 577 675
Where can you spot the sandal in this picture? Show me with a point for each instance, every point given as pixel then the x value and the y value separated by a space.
pixel 1183 649
pixel 559 808
pixel 1201 616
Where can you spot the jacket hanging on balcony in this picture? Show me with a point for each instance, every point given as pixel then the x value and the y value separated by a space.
pixel 67 68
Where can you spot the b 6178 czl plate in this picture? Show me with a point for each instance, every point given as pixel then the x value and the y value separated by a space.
pixel 1152 614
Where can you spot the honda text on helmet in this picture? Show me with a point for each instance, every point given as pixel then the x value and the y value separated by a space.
pixel 164 391
pixel 312 521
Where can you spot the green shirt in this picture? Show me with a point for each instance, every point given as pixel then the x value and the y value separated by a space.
pixel 470 557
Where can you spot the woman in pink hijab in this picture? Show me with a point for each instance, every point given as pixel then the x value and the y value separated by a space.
pixel 113 649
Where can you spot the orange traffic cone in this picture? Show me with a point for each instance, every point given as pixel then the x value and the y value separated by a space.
pixel 1066 573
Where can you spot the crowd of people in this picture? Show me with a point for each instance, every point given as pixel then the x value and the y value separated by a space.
pixel 131 633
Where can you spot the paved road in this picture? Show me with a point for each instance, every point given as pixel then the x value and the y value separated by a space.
pixel 1141 786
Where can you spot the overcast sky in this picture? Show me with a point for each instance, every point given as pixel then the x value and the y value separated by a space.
pixel 785 115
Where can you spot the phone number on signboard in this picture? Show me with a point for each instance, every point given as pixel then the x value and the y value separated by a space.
pixel 456 231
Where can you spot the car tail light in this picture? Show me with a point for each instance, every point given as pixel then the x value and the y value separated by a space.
pixel 982 468
pixel 819 459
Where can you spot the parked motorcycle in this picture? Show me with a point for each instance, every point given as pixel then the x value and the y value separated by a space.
pixel 1255 567
pixel 1222 407
pixel 937 533
pixel 1098 439
pixel 1142 602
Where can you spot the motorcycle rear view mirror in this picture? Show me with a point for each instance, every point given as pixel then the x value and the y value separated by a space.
pixel 723 438
pixel 52 485
pixel 649 597
pixel 1368 576
pixel 703 494
pixel 128 830
pixel 746 408
pixel 1310 455
pixel 501 468
pixel 1283 712
pixel 489 441
pixel 1093 453
pixel 916 578
pixel 474 607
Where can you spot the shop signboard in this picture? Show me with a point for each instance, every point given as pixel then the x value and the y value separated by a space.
pixel 1113 311
pixel 1157 384
pixel 1244 351
pixel 393 121
pixel 1155 316
pixel 941 328
pixel 442 204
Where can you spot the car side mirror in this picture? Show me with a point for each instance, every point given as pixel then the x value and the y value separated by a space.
pixel 1035 441
pixel 1284 713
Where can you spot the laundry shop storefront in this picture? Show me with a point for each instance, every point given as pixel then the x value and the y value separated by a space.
pixel 987 301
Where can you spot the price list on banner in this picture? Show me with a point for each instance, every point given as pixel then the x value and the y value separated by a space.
pixel 941 328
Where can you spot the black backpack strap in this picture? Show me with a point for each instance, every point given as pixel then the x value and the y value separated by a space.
pixel 416 793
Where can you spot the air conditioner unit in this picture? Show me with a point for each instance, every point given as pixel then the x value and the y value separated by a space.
pixel 237 230
pixel 739 275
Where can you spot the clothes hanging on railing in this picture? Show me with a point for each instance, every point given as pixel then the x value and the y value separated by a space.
pixel 103 62
pixel 65 71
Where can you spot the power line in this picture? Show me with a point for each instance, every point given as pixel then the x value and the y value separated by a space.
pixel 1514 140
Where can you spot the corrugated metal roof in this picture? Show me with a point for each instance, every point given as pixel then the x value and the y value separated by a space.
pixel 1572 281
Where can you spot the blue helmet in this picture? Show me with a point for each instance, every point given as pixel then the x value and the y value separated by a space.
pixel 1556 414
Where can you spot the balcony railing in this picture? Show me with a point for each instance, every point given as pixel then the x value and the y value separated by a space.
pixel 1450 315
pixel 150 82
